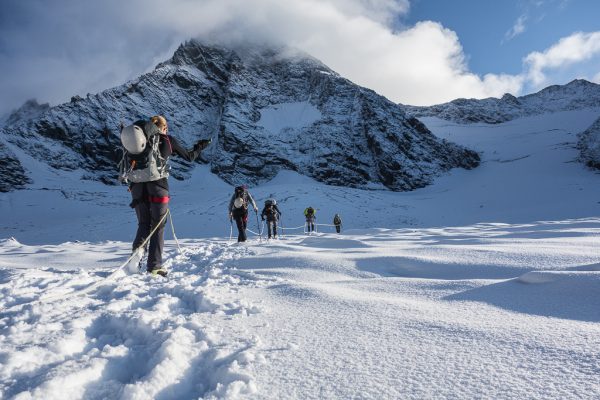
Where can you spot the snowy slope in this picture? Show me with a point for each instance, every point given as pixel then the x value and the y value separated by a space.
pixel 482 285
pixel 527 174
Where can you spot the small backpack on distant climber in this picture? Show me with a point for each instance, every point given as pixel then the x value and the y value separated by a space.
pixel 310 212
pixel 241 197
pixel 337 220
pixel 141 160
pixel 270 210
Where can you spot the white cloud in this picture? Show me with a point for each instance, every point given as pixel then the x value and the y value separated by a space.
pixel 574 49
pixel 95 46
pixel 100 46
pixel 422 65
pixel 517 29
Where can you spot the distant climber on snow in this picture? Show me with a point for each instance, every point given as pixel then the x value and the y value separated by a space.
pixel 271 213
pixel 238 210
pixel 147 148
pixel 337 221
pixel 310 215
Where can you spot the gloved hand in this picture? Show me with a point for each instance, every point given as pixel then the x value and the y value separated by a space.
pixel 202 144
pixel 230 216
pixel 263 218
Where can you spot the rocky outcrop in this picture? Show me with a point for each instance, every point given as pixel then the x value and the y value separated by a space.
pixel 12 172
pixel 589 145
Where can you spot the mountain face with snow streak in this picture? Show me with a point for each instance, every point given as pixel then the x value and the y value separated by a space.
pixel 266 109
pixel 578 94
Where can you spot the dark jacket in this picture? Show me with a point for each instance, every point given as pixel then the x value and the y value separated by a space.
pixel 168 146
pixel 271 212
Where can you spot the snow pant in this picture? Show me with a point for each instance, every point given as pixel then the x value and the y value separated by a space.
pixel 310 224
pixel 151 203
pixel 337 228
pixel 241 220
pixel 272 227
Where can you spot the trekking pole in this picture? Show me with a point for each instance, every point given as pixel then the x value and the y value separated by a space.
pixel 281 227
pixel 230 228
pixel 258 226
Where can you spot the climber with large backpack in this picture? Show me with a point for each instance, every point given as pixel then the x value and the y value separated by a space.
pixel 272 214
pixel 311 215
pixel 146 151
pixel 238 210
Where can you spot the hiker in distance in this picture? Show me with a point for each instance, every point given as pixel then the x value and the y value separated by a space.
pixel 311 215
pixel 337 221
pixel 272 214
pixel 148 147
pixel 238 210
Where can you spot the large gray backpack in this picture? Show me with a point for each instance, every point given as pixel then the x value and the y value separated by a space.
pixel 142 161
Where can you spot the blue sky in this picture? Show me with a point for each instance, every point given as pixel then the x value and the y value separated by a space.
pixel 497 35
pixel 486 27
pixel 419 52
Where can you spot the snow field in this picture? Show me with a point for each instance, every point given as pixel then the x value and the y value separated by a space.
pixel 483 285
pixel 407 313
pixel 359 333
pixel 136 337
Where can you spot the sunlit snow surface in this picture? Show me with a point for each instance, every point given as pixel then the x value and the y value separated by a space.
pixel 483 285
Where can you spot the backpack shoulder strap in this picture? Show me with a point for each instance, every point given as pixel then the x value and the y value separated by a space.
pixel 150 129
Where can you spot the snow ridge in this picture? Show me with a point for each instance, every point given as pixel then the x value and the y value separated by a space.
pixel 576 95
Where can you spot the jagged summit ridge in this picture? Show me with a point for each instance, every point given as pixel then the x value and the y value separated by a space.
pixel 577 94
pixel 267 109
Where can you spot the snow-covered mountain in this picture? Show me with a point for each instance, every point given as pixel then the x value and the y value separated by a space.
pixel 266 109
pixel 576 95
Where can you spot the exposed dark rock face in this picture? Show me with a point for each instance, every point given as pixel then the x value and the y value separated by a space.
pixel 12 172
pixel 578 94
pixel 266 110
pixel 589 145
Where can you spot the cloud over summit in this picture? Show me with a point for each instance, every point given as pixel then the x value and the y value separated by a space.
pixel 69 47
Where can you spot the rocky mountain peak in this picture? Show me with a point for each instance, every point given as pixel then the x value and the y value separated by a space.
pixel 266 108
pixel 509 98
pixel 30 109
